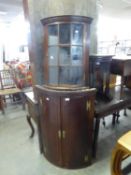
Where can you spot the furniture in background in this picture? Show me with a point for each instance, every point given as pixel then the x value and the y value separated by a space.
pixel 32 107
pixel 121 65
pixel 8 88
pixel 6 79
pixel 22 74
pixel 32 110
pixel 121 151
pixel 103 109
pixel 66 121
pixel 128 82
pixel 100 74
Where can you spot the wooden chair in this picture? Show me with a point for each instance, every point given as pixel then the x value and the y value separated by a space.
pixel 8 88
pixel 121 151
pixel 7 79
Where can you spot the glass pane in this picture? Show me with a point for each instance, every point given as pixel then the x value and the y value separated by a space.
pixel 53 55
pixel 52 34
pixel 64 75
pixel 76 56
pixel 64 55
pixel 77 33
pixel 64 33
pixel 71 75
pixel 53 75
pixel 76 75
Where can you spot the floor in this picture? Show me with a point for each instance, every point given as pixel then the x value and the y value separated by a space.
pixel 19 155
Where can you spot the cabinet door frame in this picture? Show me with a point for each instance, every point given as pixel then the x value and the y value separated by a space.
pixel 68 19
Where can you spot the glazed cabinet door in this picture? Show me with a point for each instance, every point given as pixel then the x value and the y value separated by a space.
pixel 76 132
pixel 50 124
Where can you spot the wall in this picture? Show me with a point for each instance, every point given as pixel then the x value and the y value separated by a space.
pixel 46 8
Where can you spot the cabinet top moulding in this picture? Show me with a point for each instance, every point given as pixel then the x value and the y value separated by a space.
pixel 66 18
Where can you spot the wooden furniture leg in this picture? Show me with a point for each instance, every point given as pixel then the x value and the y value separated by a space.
pixel 116 161
pixel 104 122
pixel 31 125
pixel 96 132
pixel 2 105
pixel 114 119
pixel 117 115
pixel 125 113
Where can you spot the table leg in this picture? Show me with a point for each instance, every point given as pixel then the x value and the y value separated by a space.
pixel 95 139
pixel 2 105
pixel 117 115
pixel 125 112
pixel 114 119
pixel 31 125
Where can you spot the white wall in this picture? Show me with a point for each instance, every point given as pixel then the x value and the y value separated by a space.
pixel 112 31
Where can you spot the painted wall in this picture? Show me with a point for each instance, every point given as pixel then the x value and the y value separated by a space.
pixel 46 8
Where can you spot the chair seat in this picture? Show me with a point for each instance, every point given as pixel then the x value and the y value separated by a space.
pixel 121 151
pixel 10 91
pixel 125 142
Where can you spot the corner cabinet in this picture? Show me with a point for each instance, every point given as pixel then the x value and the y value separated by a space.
pixel 66 50
pixel 66 122
pixel 66 105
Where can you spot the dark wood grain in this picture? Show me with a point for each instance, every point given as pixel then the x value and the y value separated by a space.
pixel 66 112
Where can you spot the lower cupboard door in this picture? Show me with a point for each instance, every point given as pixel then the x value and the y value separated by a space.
pixel 76 148
pixel 50 123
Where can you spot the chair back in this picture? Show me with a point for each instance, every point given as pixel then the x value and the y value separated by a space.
pixel 6 79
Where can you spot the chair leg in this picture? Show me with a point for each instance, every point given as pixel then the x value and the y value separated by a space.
pixel 116 160
pixel 2 104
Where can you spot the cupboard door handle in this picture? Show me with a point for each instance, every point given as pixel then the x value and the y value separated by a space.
pixel 59 134
pixel 88 105
pixel 63 134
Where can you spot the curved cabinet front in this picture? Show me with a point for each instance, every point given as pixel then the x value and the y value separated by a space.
pixel 66 124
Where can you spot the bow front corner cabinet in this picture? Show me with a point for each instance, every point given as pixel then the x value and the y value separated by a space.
pixel 66 125
pixel 66 105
